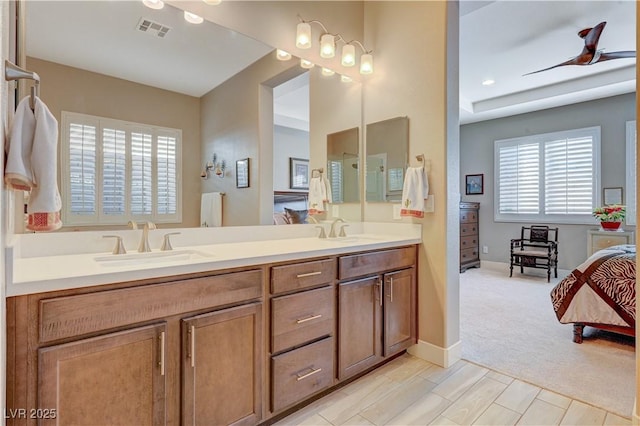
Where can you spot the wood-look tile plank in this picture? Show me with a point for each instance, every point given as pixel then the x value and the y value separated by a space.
pixel 580 414
pixel 412 367
pixel 438 374
pixel 357 421
pixel 502 378
pixel 353 404
pixel 518 396
pixel 423 411
pixel 443 421
pixel 554 398
pixel 542 413
pixel 380 412
pixel 312 409
pixel 474 401
pixel 497 415
pixel 460 381
pixel 614 420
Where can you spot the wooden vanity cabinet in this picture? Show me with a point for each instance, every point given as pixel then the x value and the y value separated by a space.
pixel 377 312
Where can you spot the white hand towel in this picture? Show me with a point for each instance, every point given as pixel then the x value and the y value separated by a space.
pixel 17 173
pixel 317 195
pixel 414 192
pixel 211 209
pixel 327 187
pixel 44 202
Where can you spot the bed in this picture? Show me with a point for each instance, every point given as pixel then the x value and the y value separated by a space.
pixel 289 207
pixel 599 293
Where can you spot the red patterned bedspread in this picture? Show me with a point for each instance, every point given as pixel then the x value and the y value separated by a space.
pixel 601 290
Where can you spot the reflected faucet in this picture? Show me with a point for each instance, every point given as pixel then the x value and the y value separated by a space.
pixel 143 247
pixel 332 233
pixel 132 224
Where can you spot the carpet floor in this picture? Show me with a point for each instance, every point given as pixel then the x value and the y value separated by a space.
pixel 508 325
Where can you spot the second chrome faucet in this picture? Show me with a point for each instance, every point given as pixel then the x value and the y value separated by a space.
pixel 144 247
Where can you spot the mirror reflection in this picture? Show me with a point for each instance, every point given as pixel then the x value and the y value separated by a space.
pixel 122 61
pixel 342 165
pixel 387 156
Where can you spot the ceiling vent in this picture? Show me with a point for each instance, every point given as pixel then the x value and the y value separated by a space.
pixel 153 28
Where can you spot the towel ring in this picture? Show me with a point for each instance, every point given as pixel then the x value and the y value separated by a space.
pixel 13 72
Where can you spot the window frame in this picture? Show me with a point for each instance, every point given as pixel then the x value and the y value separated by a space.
pixel 99 218
pixel 594 132
pixel 631 172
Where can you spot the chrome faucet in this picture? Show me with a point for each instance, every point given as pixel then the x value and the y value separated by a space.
pixel 132 224
pixel 119 247
pixel 332 233
pixel 143 247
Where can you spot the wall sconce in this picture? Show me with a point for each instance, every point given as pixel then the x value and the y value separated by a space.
pixel 218 168
pixel 328 46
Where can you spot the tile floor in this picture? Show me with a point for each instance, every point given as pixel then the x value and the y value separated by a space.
pixel 410 391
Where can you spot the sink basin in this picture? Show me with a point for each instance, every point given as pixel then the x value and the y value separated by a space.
pixel 114 260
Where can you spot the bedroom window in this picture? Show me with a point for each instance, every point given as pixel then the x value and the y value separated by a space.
pixel 114 171
pixel 552 177
pixel 630 198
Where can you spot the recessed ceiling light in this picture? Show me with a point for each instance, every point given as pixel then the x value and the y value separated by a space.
pixel 212 2
pixel 488 82
pixel 153 4
pixel 282 55
pixel 193 18
pixel 327 71
pixel 306 64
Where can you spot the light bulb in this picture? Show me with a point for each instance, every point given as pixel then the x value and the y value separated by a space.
pixel 327 46
pixel 345 79
pixel 366 64
pixel 303 35
pixel 153 4
pixel 306 64
pixel 348 55
pixel 193 18
pixel 212 2
pixel 282 55
pixel 327 71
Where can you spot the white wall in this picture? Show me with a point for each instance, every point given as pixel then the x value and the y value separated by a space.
pixel 287 143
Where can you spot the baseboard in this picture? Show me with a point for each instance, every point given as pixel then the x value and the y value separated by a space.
pixel 504 267
pixel 635 419
pixel 444 357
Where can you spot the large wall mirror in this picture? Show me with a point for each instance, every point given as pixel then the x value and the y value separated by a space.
pixel 387 157
pixel 123 61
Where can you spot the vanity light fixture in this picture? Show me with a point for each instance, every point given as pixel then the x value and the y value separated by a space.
pixel 366 64
pixel 193 18
pixel 327 46
pixel 348 55
pixel 303 35
pixel 345 78
pixel 306 64
pixel 153 4
pixel 327 72
pixel 282 55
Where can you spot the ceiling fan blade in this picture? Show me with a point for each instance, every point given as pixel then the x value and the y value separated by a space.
pixel 607 56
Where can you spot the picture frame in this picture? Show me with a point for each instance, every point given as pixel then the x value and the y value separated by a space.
pixel 612 195
pixel 298 173
pixel 474 184
pixel 242 173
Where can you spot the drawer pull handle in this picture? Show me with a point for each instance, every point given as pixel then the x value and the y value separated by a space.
pixel 191 349
pixel 300 321
pixel 310 373
pixel 308 274
pixel 161 360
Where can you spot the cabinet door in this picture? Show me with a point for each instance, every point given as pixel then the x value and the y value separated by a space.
pixel 114 379
pixel 221 367
pixel 360 308
pixel 399 311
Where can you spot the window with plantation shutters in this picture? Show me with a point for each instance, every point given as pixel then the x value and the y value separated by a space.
pixel 335 177
pixel 115 171
pixel 551 177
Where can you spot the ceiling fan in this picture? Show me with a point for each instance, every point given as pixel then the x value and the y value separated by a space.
pixel 590 53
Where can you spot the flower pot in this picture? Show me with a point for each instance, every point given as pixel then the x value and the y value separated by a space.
pixel 610 226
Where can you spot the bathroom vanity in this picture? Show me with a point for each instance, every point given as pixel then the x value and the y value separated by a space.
pixel 218 345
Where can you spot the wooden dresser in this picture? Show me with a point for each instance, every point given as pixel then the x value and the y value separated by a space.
pixel 469 241
pixel 598 239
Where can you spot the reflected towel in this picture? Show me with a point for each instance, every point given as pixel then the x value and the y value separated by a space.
pixel 327 186
pixel 317 195
pixel 414 192
pixel 211 209
pixel 17 173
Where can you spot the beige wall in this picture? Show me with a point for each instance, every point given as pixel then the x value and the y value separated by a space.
pixel 104 96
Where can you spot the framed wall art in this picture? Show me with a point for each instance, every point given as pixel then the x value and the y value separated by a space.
pixel 298 173
pixel 242 173
pixel 474 184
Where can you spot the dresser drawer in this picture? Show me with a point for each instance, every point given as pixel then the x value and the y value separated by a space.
pixel 468 242
pixel 302 275
pixel 373 263
pixel 467 216
pixel 300 373
pixel 301 317
pixel 467 229
pixel 599 242
pixel 468 255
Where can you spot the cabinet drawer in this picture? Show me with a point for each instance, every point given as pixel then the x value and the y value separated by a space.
pixel 467 229
pixel 599 242
pixel 468 242
pixel 301 317
pixel 467 255
pixel 300 373
pixel 68 316
pixel 302 275
pixel 372 263
pixel 467 216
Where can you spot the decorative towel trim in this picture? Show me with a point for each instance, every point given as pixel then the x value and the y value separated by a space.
pixel 414 213
pixel 18 182
pixel 44 221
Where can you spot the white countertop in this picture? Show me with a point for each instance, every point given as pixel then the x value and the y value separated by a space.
pixel 67 267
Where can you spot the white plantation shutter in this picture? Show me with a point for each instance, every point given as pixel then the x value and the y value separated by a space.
pixel 548 178
pixel 336 180
pixel 115 171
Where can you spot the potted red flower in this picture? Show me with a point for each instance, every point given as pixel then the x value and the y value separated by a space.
pixel 610 216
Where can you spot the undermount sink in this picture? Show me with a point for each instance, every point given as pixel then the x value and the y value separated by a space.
pixel 150 257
